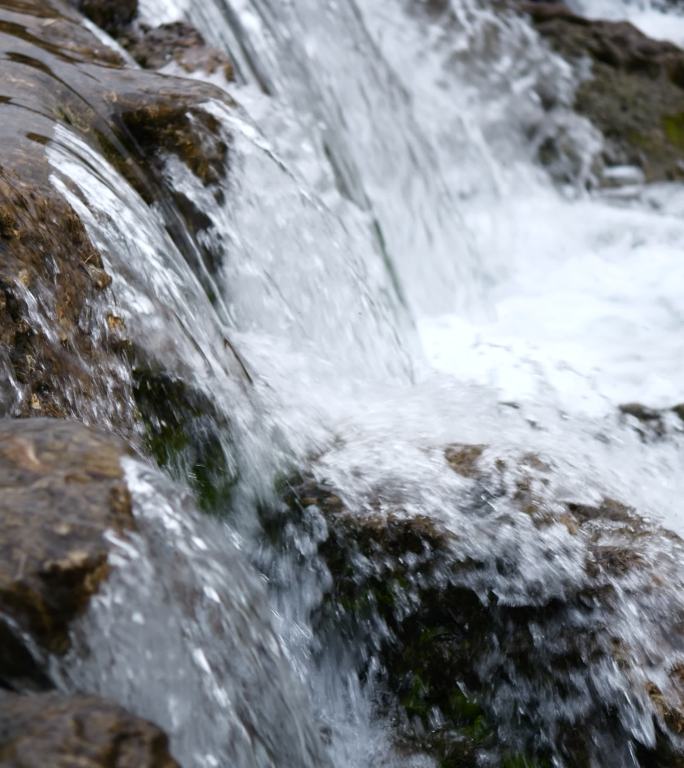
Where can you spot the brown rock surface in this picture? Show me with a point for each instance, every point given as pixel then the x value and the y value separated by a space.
pixel 62 489
pixel 57 731
pixel 634 92
pixel 59 355
pixel 178 42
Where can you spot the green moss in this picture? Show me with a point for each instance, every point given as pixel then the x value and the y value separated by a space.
pixel 469 713
pixel 415 700
pixel 629 94
pixel 522 761
pixel 673 125
pixel 185 436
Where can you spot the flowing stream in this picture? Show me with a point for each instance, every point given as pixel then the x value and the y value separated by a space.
pixel 398 275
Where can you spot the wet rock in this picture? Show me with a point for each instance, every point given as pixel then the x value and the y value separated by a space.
pixel 178 43
pixel 50 280
pixel 649 421
pixel 62 491
pixel 474 667
pixel 641 412
pixel 633 91
pixel 175 126
pixel 110 15
pixel 434 7
pixel 59 353
pixel 391 589
pixel 464 458
pixel 51 729
pixel 185 434
pixel 652 423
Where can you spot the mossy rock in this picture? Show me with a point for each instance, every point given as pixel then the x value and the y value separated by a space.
pixel 49 267
pixel 451 652
pixel 673 126
pixel 176 126
pixel 634 92
pixel 186 436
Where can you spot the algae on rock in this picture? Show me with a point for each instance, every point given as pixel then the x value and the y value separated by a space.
pixel 186 436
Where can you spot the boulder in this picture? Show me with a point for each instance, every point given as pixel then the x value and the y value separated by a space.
pixel 521 652
pixel 62 491
pixel 633 92
pixel 63 347
pixel 51 729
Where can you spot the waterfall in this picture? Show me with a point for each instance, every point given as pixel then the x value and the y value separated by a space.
pixel 396 273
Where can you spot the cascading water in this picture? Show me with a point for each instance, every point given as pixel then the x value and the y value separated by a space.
pixel 397 275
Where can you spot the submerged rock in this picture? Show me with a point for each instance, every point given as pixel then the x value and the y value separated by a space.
pixel 186 435
pixel 653 423
pixel 51 729
pixel 633 89
pixel 522 651
pixel 62 492
pixel 58 354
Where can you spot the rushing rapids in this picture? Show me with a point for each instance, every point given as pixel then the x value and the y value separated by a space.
pixel 392 325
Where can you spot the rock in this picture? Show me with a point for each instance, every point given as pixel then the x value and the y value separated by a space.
pixel 634 92
pixel 155 47
pixel 51 729
pixel 652 423
pixel 110 15
pixel 178 43
pixel 62 353
pixel 174 126
pixel 185 434
pixel 471 668
pixel 464 458
pixel 62 490
pixel 641 412
pixel 649 422
pixel 49 275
